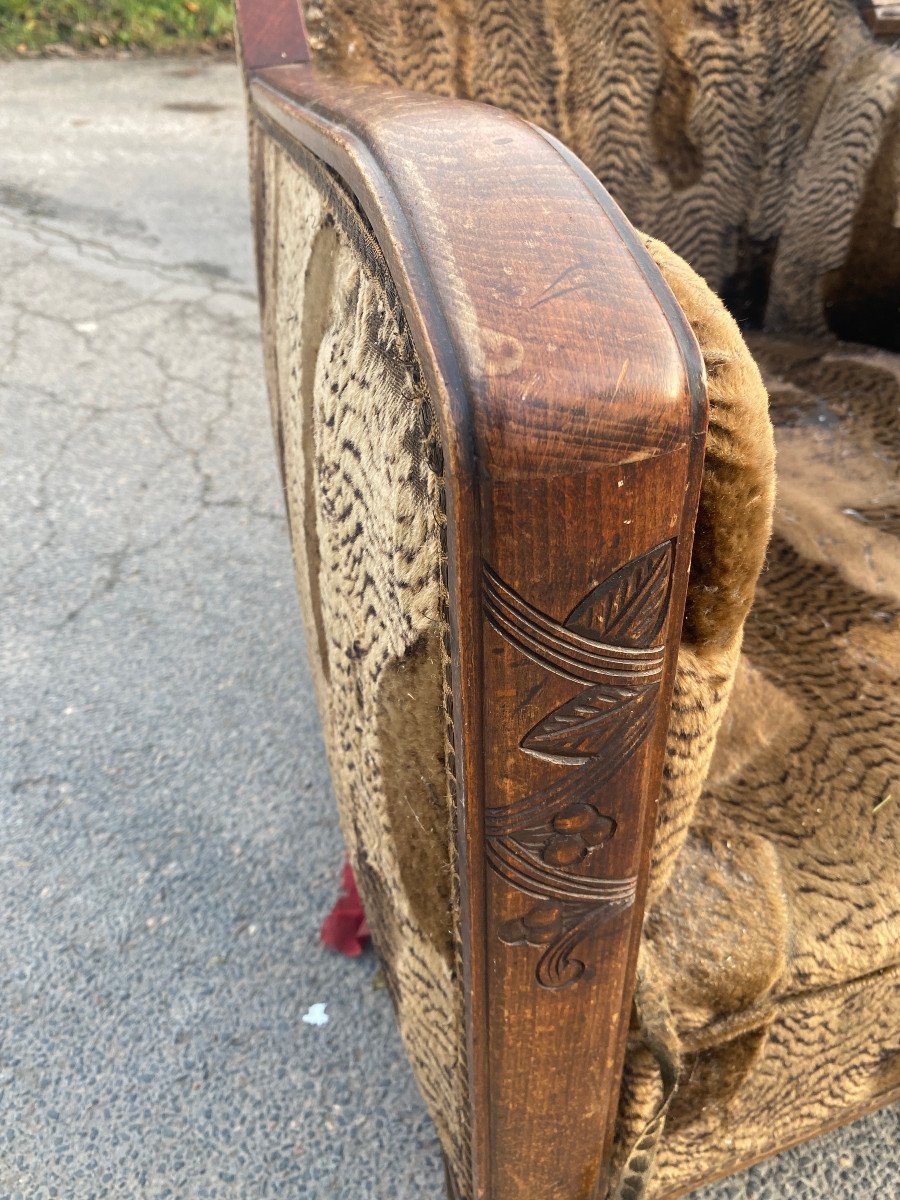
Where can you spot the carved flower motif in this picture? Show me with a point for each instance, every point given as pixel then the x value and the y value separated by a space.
pixel 620 622
pixel 539 927
pixel 577 830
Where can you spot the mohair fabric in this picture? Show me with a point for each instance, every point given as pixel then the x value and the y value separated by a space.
pixel 767 986
pixel 776 942
pixel 757 138
pixel 365 516
pixel 734 521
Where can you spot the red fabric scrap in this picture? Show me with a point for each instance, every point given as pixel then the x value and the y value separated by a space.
pixel 345 928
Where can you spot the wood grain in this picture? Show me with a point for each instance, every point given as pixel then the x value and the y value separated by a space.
pixel 270 33
pixel 570 401
pixel 882 16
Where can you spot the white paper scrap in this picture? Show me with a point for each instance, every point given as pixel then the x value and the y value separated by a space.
pixel 316 1015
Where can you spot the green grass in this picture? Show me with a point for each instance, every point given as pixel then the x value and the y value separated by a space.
pixel 91 25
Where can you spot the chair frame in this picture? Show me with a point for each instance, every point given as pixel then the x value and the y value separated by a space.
pixel 569 394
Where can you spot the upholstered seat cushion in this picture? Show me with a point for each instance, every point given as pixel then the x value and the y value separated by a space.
pixel 776 943
pixel 810 745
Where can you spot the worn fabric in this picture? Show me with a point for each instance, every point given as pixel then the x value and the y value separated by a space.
pixel 757 138
pixel 734 521
pixel 807 1062
pixel 777 940
pixel 365 518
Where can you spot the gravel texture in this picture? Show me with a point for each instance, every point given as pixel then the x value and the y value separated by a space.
pixel 168 844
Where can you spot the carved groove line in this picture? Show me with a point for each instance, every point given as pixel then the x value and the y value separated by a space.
pixel 579 658
pixel 543 883
pixel 541 842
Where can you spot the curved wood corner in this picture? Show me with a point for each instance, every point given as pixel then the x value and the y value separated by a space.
pixel 571 399
pixel 537 283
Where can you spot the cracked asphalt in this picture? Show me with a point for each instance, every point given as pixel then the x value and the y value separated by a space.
pixel 168 845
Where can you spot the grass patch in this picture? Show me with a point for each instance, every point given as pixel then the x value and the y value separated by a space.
pixel 85 26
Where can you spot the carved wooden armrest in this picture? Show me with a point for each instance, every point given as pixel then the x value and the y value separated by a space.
pixel 568 394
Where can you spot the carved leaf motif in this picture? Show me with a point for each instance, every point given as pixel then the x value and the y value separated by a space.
pixel 593 723
pixel 558 967
pixel 557 932
pixel 629 607
pixel 540 842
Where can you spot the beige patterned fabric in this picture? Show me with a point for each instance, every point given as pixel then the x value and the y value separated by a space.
pixel 352 422
pixel 792 1069
pixel 743 133
pixel 777 940
pixel 734 521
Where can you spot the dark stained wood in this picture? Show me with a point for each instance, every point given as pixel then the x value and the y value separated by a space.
pixel 593 552
pixel 882 17
pixel 532 257
pixel 569 394
pixel 271 32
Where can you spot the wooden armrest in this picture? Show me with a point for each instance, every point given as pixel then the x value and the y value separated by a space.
pixel 569 394
pixel 882 16
pixel 516 263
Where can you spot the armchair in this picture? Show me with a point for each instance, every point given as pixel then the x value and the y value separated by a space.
pixel 634 887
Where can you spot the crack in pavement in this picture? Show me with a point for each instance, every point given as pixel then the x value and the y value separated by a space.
pixel 105 252
pixel 177 313
pixel 34 204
